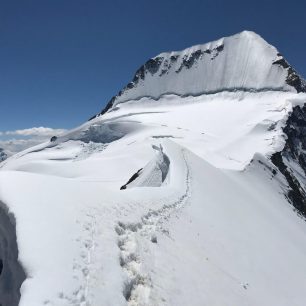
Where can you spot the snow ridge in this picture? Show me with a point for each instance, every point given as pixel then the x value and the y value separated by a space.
pixel 154 173
pixel 131 237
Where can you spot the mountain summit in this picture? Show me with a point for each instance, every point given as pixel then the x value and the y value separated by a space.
pixel 242 62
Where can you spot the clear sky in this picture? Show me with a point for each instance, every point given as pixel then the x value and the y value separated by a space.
pixel 62 60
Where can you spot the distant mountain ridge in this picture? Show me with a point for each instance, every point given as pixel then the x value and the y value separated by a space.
pixel 242 62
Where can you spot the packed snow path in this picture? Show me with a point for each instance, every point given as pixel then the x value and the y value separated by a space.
pixel 133 244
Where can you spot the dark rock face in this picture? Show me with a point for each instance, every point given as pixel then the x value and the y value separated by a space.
pixel 107 107
pixel 53 138
pixel 281 62
pixel 151 66
pixel 159 63
pixel 293 79
pixel 11 273
pixel 3 155
pixel 219 48
pixel 189 61
pixel 167 64
pixel 294 152
pixel 216 51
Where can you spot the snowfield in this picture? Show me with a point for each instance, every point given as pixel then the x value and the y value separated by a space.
pixel 168 201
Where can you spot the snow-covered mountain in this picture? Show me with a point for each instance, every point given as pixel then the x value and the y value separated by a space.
pixel 187 189
pixel 243 62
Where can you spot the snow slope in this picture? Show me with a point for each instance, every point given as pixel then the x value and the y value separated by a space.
pixel 175 200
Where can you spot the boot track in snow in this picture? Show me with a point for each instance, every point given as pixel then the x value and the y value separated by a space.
pixel 138 282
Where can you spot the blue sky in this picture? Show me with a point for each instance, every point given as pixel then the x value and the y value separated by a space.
pixel 61 61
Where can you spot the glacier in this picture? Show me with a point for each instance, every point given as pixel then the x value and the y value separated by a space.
pixel 187 189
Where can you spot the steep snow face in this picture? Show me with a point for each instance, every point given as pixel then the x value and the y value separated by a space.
pixel 244 62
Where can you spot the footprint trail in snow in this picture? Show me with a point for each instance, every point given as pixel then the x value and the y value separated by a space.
pixel 132 240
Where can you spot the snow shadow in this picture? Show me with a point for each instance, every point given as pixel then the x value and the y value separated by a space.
pixel 12 274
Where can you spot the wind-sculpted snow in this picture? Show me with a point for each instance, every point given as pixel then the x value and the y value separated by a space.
pixel 138 284
pixel 243 62
pixel 153 174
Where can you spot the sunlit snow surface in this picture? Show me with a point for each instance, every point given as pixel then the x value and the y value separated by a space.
pixel 208 227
